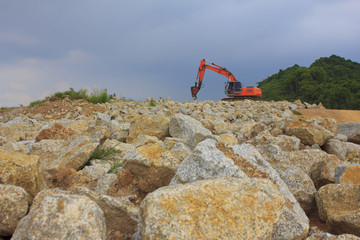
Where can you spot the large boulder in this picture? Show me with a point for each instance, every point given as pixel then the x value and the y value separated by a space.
pixel 339 207
pixel 328 236
pixel 185 127
pixel 216 126
pixel 14 204
pixel 21 170
pixel 307 133
pixel 351 131
pixel 334 146
pixel 286 143
pixel 121 216
pixel 301 186
pixel 56 132
pixel 352 152
pixel 152 125
pixel 211 160
pixel 118 131
pixel 88 177
pixel 348 174
pixel 176 155
pixel 23 147
pixel 20 128
pixel 105 183
pixel 154 164
pixel 55 214
pixel 329 124
pixel 254 165
pixel 48 150
pixel 317 164
pixel 74 153
pixel 206 162
pixel 223 208
pixel 345 151
pixel 247 130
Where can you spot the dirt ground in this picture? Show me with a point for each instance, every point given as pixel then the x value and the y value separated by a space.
pixel 54 110
pixel 339 115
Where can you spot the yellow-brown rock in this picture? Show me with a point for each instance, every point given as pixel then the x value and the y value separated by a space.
pixel 20 128
pixel 339 207
pixel 228 139
pixel 223 208
pixel 56 132
pixel 21 170
pixel 349 174
pixel 307 133
pixel 152 125
pixel 148 163
pixel 14 204
pixel 73 153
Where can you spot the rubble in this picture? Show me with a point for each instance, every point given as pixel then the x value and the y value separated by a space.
pixel 180 170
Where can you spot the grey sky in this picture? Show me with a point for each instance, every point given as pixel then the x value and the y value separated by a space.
pixel 140 49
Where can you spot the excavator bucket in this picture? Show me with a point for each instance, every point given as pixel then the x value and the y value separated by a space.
pixel 194 90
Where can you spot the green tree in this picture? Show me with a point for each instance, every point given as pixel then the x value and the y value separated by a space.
pixel 333 81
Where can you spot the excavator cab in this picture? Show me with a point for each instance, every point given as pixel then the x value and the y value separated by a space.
pixel 232 88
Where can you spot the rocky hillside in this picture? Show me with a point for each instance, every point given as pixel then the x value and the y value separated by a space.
pixel 161 169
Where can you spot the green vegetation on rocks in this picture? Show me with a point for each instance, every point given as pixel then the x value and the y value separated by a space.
pixel 333 81
pixel 103 154
pixel 97 96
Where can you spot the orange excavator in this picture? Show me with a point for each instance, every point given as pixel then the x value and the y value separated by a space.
pixel 233 88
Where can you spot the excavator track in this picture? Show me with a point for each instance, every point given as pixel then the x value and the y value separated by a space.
pixel 234 99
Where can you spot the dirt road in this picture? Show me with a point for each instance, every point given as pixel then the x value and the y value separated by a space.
pixel 338 115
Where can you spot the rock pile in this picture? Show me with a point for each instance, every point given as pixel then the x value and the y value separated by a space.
pixel 160 169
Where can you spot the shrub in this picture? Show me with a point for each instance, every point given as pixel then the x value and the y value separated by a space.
pixel 100 96
pixel 97 96
pixel 152 103
pixel 37 102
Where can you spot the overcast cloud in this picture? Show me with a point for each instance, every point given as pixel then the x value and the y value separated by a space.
pixel 141 49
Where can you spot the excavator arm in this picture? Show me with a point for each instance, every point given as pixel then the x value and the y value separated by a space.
pixel 204 64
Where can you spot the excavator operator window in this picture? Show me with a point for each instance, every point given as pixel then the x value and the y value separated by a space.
pixel 230 87
pixel 237 87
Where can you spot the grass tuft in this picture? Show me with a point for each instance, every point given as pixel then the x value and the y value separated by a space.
pixel 115 166
pixel 100 154
pixel 103 154
pixel 296 112
pixel 152 103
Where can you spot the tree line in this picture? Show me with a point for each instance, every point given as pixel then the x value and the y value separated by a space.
pixel 333 81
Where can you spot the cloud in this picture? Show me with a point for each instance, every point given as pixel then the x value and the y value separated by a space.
pixel 153 48
pixel 29 79
pixel 17 86
pixel 17 38
pixel 62 86
pixel 332 21
pixel 13 97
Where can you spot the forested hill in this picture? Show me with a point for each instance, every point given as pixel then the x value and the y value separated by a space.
pixel 333 81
